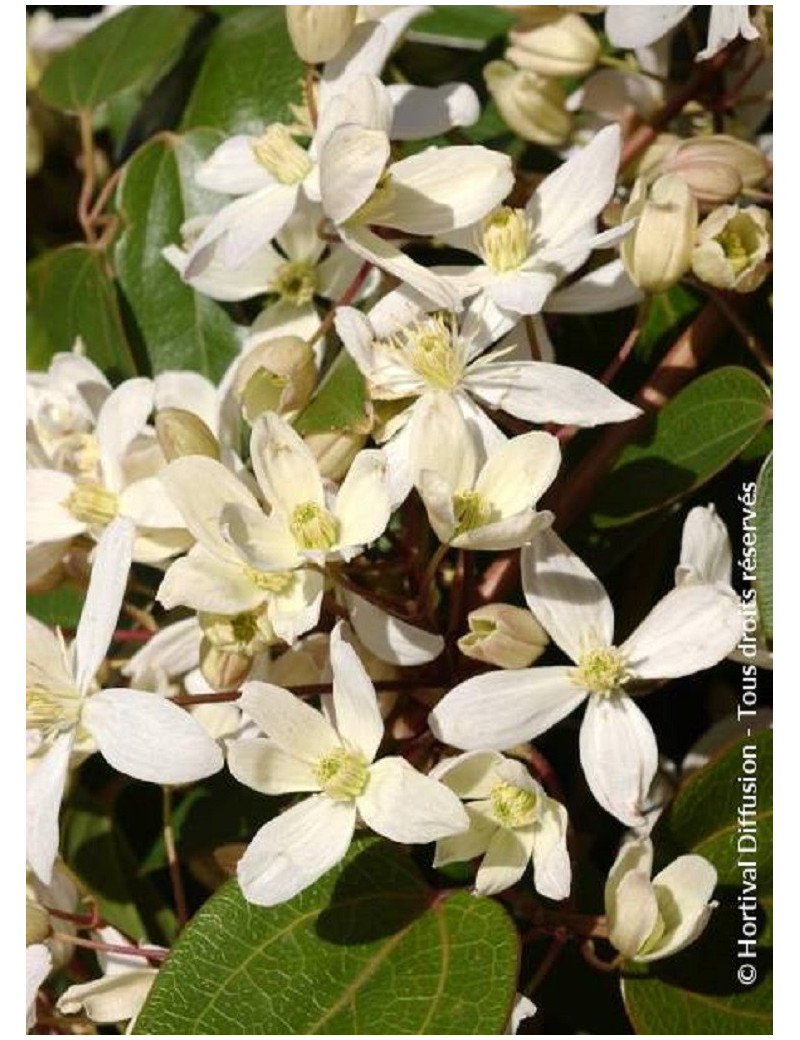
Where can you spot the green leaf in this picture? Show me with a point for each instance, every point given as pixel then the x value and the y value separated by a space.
pixel 60 606
pixel 341 401
pixel 698 990
pixel 249 76
pixel 368 948
pixel 71 295
pixel 128 49
pixel 96 851
pixel 692 438
pixel 764 545
pixel 462 26
pixel 180 328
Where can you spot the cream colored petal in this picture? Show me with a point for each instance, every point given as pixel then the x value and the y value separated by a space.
pixel 459 848
pixel 352 161
pixel 203 581
pixel 403 805
pixel 552 871
pixel 291 724
pixel 683 890
pixel 44 791
pixel 363 506
pixel 112 998
pixel 388 637
pixel 358 719
pixel 265 767
pixel 633 914
pixel 441 442
pixel 294 612
pixel 122 418
pixel 284 466
pixel 517 474
pixel 471 775
pixel 504 863
pixel 705 548
pixel 47 518
pixel 148 504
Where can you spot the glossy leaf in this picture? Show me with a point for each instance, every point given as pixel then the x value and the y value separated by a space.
pixel 692 438
pixel 71 295
pixel 764 545
pixel 128 49
pixel 341 401
pixel 60 606
pixel 367 949
pixel 249 75
pixel 461 25
pixel 180 328
pixel 699 990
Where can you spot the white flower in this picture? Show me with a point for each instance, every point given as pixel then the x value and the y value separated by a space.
pixel 512 822
pixel 137 733
pixel 38 963
pixel 692 628
pixel 526 252
pixel 387 637
pixel 109 472
pixel 404 353
pixel 488 508
pixel 121 991
pixel 632 25
pixel 648 920
pixel 336 761
pixel 435 191
pixel 523 1008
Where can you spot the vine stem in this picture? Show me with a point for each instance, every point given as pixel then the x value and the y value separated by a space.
pixel 553 953
pixel 306 690
pixel 88 172
pixel 104 947
pixel 178 892
pixel 311 98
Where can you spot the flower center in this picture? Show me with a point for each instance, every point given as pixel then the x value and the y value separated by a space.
pixel 513 806
pixel 280 154
pixel 471 510
pixel 51 710
pixel 92 504
pixel 738 243
pixel 342 774
pixel 601 671
pixel 428 348
pixel 295 282
pixel 246 633
pixel 314 526
pixel 506 239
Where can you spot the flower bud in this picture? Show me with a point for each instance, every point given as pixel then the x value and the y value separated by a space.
pixel 277 375
pixel 658 251
pixel 506 636
pixel 37 922
pixel 319 31
pixel 732 248
pixel 182 433
pixel 335 450
pixel 720 149
pixel 223 669
pixel 533 107
pixel 564 47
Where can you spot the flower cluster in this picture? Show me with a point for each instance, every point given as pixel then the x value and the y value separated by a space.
pixel 306 589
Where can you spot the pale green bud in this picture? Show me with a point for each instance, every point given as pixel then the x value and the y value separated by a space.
pixel 182 433
pixel 319 31
pixel 335 450
pixel 503 635
pixel 277 375
pixel 565 47
pixel 732 248
pixel 532 106
pixel 223 669
pixel 658 251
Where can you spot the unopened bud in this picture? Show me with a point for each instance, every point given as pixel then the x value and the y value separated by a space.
pixel 532 106
pixel 506 636
pixel 564 47
pixel 658 251
pixel 37 922
pixel 277 375
pixel 334 450
pixel 223 669
pixel 247 633
pixel 732 248
pixel 748 160
pixel 182 433
pixel 319 31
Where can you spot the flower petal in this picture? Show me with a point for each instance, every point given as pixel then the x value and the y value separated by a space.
pixel 148 504
pixel 355 704
pixel 44 791
pixel 295 849
pixel 441 442
pixel 112 998
pixel 565 597
pixel 294 726
pixel 47 519
pixel 462 847
pixel 173 650
pixel 521 292
pixel 552 871
pixel 505 861
pixel 619 756
pixel 389 638
pixel 542 392
pixel 683 890
pixel 362 504
pixel 705 549
pixel 265 767
pixel 203 581
pixel 421 112
pixel 232 168
pixel 122 418
pixel 726 22
pixel 500 709
pixel 112 562
pixel 691 628
pixel 606 288
pixel 350 166
pixel 471 775
pixel 149 738
pixel 637 25
pixel 38 963
pixel 633 914
pixel 286 470
pixel 510 533
pixel 294 612
pixel 405 806
pixel 518 473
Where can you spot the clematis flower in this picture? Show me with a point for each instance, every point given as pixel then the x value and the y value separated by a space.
pixel 405 353
pixel 649 920
pixel 526 252
pixel 138 733
pixel 692 628
pixel 336 761
pixel 512 822
pixel 632 25
pixel 490 508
